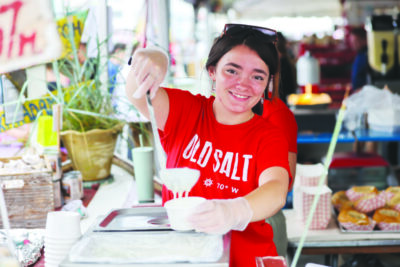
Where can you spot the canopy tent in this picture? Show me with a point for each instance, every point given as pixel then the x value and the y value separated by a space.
pixel 290 8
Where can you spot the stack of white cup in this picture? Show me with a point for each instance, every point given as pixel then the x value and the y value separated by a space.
pixel 63 229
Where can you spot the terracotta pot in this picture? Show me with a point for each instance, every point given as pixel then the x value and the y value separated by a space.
pixel 91 152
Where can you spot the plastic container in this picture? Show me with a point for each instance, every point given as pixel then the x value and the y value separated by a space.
pixel 178 209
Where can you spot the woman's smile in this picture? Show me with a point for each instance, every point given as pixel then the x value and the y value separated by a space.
pixel 237 95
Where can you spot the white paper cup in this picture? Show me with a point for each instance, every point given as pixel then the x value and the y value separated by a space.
pixel 52 262
pixel 56 253
pixel 54 259
pixel 59 241
pixel 178 209
pixel 58 244
pixel 63 225
pixel 57 248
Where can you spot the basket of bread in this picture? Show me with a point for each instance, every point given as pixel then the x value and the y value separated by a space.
pixel 365 208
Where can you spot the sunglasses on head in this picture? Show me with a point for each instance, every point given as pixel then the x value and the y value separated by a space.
pixel 232 29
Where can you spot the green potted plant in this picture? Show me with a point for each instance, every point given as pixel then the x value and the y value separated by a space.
pixel 89 124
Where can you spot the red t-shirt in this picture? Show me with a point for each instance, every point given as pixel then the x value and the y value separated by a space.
pixel 276 112
pixel 230 159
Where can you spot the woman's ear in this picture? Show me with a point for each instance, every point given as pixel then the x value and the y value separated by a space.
pixel 211 72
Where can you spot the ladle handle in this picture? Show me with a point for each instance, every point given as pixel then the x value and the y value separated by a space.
pixel 160 156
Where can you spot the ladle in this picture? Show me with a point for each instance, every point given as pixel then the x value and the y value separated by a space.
pixel 160 155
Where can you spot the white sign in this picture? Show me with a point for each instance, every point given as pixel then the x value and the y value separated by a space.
pixel 28 34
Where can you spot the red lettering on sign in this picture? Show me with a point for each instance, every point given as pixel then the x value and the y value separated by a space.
pixel 15 6
pixel 1 41
pixel 26 40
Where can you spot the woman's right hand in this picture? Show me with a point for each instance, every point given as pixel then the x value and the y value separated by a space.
pixel 149 68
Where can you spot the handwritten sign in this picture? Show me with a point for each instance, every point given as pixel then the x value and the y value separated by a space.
pixel 28 34
pixel 75 23
pixel 30 111
pixel 31 108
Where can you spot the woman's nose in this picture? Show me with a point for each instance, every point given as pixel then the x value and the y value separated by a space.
pixel 243 81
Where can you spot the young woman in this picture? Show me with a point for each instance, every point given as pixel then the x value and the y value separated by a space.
pixel 243 159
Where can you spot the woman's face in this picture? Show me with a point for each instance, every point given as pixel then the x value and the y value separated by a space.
pixel 240 77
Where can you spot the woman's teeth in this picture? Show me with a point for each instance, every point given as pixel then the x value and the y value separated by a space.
pixel 239 96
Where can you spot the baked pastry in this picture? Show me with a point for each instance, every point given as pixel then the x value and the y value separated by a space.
pixel 391 191
pixel 387 219
pixel 352 219
pixel 394 202
pixel 341 201
pixel 357 192
pixel 353 216
pixel 370 202
pixel 386 215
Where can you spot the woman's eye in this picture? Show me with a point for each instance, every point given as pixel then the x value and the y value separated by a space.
pixel 231 71
pixel 259 78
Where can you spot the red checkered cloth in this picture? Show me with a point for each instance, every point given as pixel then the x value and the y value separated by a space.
pixel 356 227
pixel 323 211
pixel 369 204
pixel 395 227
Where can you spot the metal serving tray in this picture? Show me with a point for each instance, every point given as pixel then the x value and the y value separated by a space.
pixel 134 219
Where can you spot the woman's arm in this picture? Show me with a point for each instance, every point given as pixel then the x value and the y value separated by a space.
pixel 218 216
pixel 270 196
pixel 148 70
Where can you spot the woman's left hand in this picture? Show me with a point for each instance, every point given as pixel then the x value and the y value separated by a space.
pixel 219 216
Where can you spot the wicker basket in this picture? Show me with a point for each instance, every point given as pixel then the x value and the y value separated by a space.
pixel 29 196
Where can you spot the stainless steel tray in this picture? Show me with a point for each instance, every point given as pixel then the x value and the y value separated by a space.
pixel 134 219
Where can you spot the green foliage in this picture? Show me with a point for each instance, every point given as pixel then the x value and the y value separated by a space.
pixel 91 108
pixel 86 104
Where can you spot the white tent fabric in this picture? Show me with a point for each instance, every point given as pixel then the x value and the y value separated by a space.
pixel 268 8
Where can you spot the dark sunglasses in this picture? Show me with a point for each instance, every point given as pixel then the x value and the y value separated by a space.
pixel 232 29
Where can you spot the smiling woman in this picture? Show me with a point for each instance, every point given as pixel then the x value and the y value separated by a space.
pixel 240 86
pixel 242 158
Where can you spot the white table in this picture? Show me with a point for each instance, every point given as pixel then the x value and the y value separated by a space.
pixel 332 241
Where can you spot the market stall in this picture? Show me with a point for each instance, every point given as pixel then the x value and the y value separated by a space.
pixel 33 114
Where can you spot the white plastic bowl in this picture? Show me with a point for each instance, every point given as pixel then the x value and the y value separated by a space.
pixel 178 209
